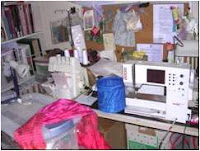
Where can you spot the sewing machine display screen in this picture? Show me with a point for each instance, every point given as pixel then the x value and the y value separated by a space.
pixel 156 76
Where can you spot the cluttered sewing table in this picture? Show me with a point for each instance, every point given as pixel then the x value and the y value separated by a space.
pixel 14 120
pixel 16 114
pixel 10 123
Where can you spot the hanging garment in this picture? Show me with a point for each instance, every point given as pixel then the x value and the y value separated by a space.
pixel 123 36
pixel 30 136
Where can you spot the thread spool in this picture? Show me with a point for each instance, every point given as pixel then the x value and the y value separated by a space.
pixel 76 54
pixel 171 56
pixel 80 56
pixel 67 53
pixel 85 57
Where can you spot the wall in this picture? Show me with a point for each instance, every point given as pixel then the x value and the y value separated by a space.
pixel 194 8
pixel 43 13
pixel 46 9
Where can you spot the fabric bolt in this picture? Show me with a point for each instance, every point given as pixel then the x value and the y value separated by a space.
pixel 29 135
pixel 122 35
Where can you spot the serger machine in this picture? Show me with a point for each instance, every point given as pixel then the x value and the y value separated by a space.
pixel 69 77
pixel 158 90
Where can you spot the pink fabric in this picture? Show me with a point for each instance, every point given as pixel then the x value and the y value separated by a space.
pixel 29 135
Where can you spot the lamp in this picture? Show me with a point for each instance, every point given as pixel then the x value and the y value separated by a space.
pixel 21 70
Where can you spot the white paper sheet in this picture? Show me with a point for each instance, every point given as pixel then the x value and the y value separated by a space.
pixel 87 100
pixel 108 41
pixel 154 51
pixel 163 22
pixel 109 54
pixel 78 37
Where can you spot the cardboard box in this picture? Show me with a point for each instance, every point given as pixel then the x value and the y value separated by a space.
pixel 114 133
pixel 145 138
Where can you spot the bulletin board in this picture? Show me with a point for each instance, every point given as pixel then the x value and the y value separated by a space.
pixel 143 36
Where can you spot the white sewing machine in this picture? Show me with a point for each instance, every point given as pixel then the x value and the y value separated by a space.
pixel 158 90
pixel 68 75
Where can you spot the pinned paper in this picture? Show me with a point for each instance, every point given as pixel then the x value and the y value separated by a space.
pixel 153 51
pixel 88 19
pixel 163 24
pixel 108 40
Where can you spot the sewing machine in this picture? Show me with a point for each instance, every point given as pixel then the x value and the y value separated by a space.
pixel 68 76
pixel 158 90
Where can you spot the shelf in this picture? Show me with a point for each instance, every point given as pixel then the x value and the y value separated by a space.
pixel 10 85
pixel 26 36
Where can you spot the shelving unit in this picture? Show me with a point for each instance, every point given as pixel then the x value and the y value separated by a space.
pixel 10 85
pixel 15 39
pixel 27 17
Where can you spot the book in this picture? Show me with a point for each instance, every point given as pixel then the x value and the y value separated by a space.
pixel 16 20
pixel 9 17
pixel 4 36
pixel 22 18
pixel 5 23
pixel 31 17
pixel 34 44
pixel 28 20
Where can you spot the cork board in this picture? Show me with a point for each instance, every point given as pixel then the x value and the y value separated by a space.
pixel 143 36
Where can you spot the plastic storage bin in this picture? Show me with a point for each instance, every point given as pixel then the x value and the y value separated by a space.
pixel 61 135
pixel 111 94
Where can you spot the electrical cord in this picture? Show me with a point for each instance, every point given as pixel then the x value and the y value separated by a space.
pixel 160 145
pixel 183 140
pixel 194 143
pixel 174 142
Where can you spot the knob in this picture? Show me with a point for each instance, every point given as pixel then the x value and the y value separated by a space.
pixel 181 75
pixel 181 83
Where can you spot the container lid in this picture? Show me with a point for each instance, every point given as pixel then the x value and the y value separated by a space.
pixel 53 130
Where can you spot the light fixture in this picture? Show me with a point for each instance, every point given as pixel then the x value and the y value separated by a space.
pixel 21 69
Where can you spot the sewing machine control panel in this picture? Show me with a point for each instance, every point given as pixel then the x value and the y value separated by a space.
pixel 178 81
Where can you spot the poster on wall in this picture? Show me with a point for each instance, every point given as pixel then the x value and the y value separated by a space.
pixel 59 31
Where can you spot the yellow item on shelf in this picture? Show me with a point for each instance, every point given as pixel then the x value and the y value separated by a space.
pixel 139 54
